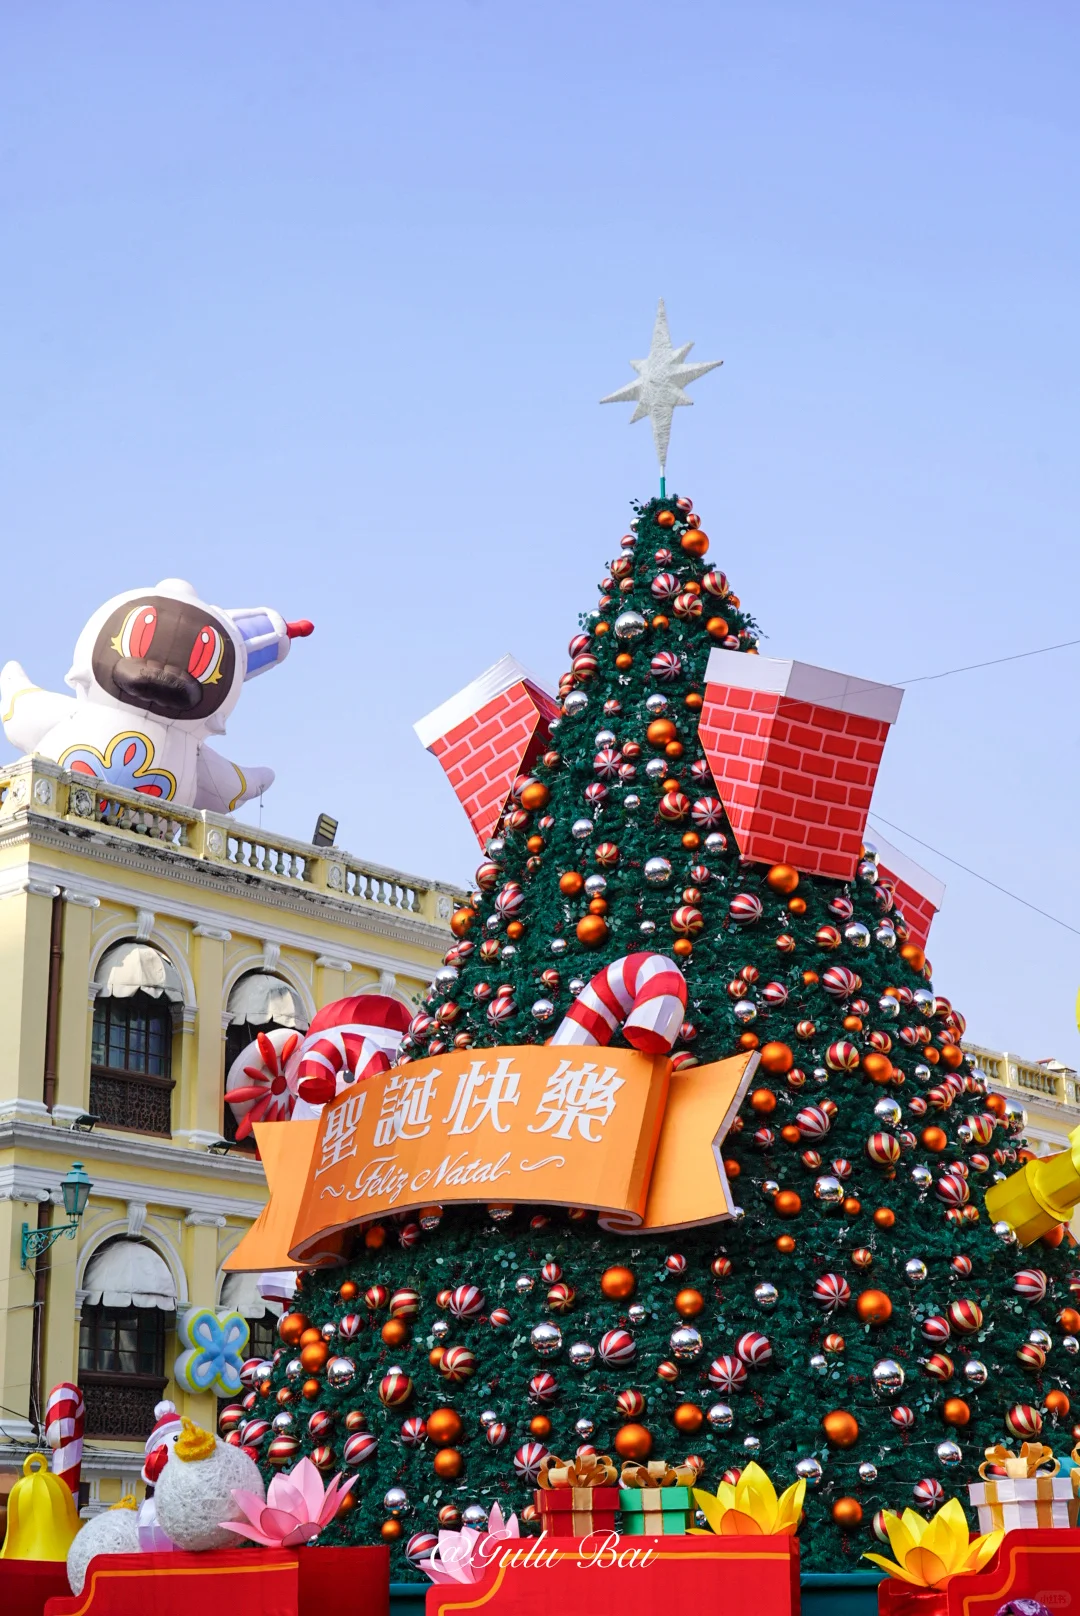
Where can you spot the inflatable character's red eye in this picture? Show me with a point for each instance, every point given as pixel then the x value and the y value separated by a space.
pixel 205 659
pixel 137 632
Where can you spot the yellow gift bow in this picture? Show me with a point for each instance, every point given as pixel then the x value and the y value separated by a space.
pixel 928 1553
pixel 750 1507
pixel 591 1470
pixel 657 1473
pixel 1033 1459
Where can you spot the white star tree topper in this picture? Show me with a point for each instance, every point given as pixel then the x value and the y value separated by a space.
pixel 659 388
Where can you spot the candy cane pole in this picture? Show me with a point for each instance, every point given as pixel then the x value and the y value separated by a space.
pixel 644 993
pixel 65 1418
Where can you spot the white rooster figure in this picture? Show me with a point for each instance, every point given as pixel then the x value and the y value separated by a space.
pixel 155 672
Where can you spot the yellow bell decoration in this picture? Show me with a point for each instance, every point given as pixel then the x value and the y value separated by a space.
pixel 41 1516
pixel 751 1507
pixel 928 1553
pixel 193 1443
pixel 1040 1195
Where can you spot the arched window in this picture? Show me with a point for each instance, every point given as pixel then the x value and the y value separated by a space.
pixel 131 1053
pixel 128 1307
pixel 257 1003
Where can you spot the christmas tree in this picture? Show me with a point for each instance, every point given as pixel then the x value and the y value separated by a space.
pixel 860 1323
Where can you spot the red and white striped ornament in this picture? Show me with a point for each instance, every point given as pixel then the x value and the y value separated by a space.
pixel 229 1419
pixel 708 813
pixel 617 1347
pixel 65 1425
pixel 754 1349
pixel 939 1366
pixel 467 1302
pixel 1023 1420
pixel 254 1433
pixel 961 1264
pixel 1030 1356
pixel 840 982
pixel 745 909
pixel 409 1235
pixel 687 921
pixel 936 1328
pixel 952 1189
pixel 831 1292
pixel 775 993
pixel 883 1149
pixel 965 1316
pixel 928 1493
pixel 496 1433
pixel 902 1416
pixel 499 1318
pixel 1030 1283
pixel 528 1459
pixel 509 899
pixel 645 994
pixel 560 1298
pixel 404 1305
pixel 359 1447
pixel 421 1546
pixel 376 1297
pixel 322 1457
pixel 550 1272
pixel 578 643
pixel 543 1388
pixel 395 1388
pixel 321 1423
pixel 842 1056
pixel 664 586
pixel 673 806
pixel 715 583
pixel 812 1122
pixel 283 1450
pixel 414 1432
pixel 457 1363
pixel 349 1326
pixel 665 666
pixel 630 1403
pixel 675 1263
pixel 727 1373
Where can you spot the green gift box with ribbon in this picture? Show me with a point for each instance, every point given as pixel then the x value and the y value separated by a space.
pixel 655 1499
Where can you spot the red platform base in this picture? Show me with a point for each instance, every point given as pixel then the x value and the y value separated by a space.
pixel 758 1575
pixel 25 1585
pixel 1042 1565
pixel 242 1582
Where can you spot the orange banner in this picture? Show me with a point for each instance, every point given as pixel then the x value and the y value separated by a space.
pixel 611 1130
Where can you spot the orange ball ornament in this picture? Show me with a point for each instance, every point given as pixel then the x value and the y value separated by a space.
pixel 852 1207
pixel 535 795
pixel 747 1040
pixel 689 1303
pixel 787 1203
pixel 884 1217
pixel 1057 1403
pixel 461 920
pixel 776 1057
pixel 312 1333
pixel 841 1428
pixel 660 732
pixel 995 1103
pixel 665 518
pixel 1054 1236
pixel 540 1425
pixel 347 1505
pixel 395 1332
pixel 785 1243
pixel 444 1426
pixel 797 906
pixel 954 1411
pixel 447 1464
pixel 695 542
pixel 693 700
pixel 349 1291
pixel 913 956
pixel 623 661
pixel 618 1283
pixel 390 1531
pixel 375 1237
pixel 763 1100
pixel 1069 1319
pixel 683 947
pixel 790 1134
pixel 878 1068
pixel 591 931
pixel 874 1307
pixel 571 883
pixel 292 1327
pixel 633 1442
pixel 314 1355
pixel 847 1513
pixel 688 1418
pixel 435 1356
pixel 935 1139
pixel 516 929
pixel 310 1389
pixel 783 878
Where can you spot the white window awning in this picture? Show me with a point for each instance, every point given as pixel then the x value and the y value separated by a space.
pixel 241 1293
pixel 132 968
pixel 258 998
pixel 129 1274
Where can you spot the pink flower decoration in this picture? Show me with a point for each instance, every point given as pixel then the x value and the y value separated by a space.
pixel 297 1508
pixel 454 1559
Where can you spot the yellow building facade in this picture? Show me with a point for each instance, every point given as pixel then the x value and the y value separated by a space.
pixel 140 948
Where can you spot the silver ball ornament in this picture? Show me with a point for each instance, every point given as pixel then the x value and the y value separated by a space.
pixel 657 871
pixel 721 1416
pixel 915 1271
pixel 949 1454
pixel 686 1342
pixel 546 1339
pixel 766 1296
pixel 581 1354
pixel 810 1471
pixel 396 1501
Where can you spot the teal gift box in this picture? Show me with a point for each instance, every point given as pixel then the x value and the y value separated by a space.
pixel 655 1500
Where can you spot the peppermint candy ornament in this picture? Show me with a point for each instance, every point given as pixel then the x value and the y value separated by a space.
pixel 883 1149
pixel 928 1493
pixel 965 1316
pixel 579 643
pixel 421 1546
pixel 395 1388
pixel 467 1302
pixel 745 908
pixel 727 1373
pixel 902 1416
pixel 673 806
pixel 617 1347
pixel 961 1264
pixel 687 921
pixel 952 1189
pixel 708 813
pixel 606 763
pixel 775 993
pixel 665 666
pixel 283 1450
pixel 413 1432
pixel 753 1349
pixel 350 1326
pixel 528 1459
pixel 1030 1356
pixel 630 1403
pixel 831 1292
pixel 664 586
pixel 499 1318
pixel 560 1298
pixel 936 1328
pixel 254 1433
pixel 496 1433
pixel 457 1364
pixel 1030 1283
pixel 584 665
pixel 404 1304
pixel 939 1366
pixel 509 899
pixel 840 982
pixel 501 1009
pixel 543 1388
pixel 842 1056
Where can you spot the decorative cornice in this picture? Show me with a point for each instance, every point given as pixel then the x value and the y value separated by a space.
pixel 333 962
pixel 145 921
pixel 83 900
pixel 23 1184
pixel 218 933
pixel 143 1154
pixel 42 1183
pixel 205 1220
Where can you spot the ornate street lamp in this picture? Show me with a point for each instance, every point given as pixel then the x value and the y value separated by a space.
pixel 75 1187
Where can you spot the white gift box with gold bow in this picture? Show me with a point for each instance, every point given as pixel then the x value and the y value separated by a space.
pixel 1022 1490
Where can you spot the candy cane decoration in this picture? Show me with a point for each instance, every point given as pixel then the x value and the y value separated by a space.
pixel 644 993
pixel 65 1419
pixel 357 1035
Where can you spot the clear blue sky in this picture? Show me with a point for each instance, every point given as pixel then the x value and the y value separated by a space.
pixel 313 305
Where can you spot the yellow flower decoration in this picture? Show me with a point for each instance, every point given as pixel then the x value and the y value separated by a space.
pixel 928 1553
pixel 193 1442
pixel 751 1507
pixel 127 1502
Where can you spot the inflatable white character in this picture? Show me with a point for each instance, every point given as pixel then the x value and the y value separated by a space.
pixel 155 672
